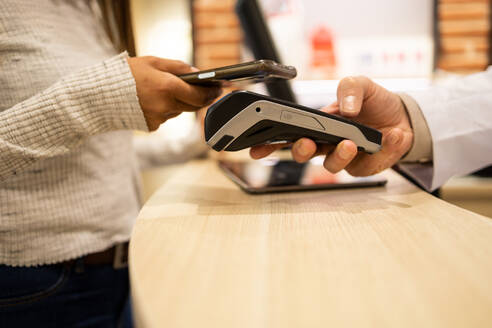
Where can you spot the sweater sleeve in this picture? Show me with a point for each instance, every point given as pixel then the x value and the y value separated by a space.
pixel 98 99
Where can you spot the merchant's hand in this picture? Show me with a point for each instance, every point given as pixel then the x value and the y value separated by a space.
pixel 363 101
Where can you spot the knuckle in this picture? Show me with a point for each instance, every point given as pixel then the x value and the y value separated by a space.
pixel 330 167
pixel 151 60
pixel 166 85
pixel 352 171
pixel 352 84
pixel 177 62
pixel 357 171
pixel 180 66
pixel 379 168
pixel 163 87
pixel 157 110
pixel 348 82
pixel 360 79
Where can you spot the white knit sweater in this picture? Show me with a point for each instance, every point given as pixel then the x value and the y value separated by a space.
pixel 68 181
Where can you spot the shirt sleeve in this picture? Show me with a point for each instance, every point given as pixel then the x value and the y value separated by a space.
pixel 98 99
pixel 459 119
pixel 421 150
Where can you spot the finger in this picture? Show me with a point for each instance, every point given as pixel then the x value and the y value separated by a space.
pixel 303 150
pixel 261 151
pixel 198 96
pixel 175 67
pixel 392 150
pixel 331 108
pixel 343 154
pixel 351 93
pixel 172 109
pixel 184 107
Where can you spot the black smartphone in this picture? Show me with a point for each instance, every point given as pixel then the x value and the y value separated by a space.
pixel 272 175
pixel 251 72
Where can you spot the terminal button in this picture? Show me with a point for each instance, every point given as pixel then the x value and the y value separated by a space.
pixel 301 120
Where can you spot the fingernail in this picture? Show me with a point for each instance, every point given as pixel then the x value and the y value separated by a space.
pixel 344 151
pixel 348 104
pixel 301 150
pixel 194 69
pixel 393 138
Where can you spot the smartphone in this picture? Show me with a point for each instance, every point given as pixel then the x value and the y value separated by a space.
pixel 251 72
pixel 271 175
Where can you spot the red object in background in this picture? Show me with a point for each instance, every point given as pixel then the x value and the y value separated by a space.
pixel 323 52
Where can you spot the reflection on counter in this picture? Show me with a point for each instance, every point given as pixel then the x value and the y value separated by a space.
pixel 272 174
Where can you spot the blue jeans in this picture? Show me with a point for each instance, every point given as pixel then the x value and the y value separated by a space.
pixel 64 295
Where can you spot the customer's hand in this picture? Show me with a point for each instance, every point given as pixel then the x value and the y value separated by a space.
pixel 163 95
pixel 365 102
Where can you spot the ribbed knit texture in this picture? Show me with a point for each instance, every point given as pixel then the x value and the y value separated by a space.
pixel 68 178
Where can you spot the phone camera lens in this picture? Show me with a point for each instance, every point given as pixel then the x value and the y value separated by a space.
pixel 258 109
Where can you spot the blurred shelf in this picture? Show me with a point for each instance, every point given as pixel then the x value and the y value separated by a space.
pixel 473 60
pixel 465 27
pixel 464 44
pixel 209 36
pixel 464 10
pixel 213 6
pixel 214 19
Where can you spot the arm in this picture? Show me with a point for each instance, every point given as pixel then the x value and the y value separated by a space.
pixel 368 103
pixel 98 99
pixel 458 115
pixel 450 124
pixel 120 93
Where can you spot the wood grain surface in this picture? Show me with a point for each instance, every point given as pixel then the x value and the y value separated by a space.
pixel 205 254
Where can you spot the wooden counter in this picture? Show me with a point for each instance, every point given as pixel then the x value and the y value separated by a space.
pixel 205 254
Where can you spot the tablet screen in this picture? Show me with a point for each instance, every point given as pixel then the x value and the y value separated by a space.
pixel 274 175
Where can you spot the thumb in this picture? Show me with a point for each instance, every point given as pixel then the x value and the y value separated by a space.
pixel 351 93
pixel 176 67
pixel 331 108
